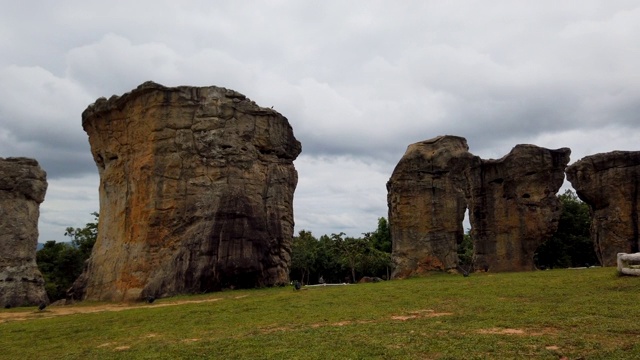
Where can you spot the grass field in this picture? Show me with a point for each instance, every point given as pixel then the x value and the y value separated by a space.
pixel 556 314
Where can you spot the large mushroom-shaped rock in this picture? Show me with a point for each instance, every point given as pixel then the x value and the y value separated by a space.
pixel 610 184
pixel 513 206
pixel 23 185
pixel 426 199
pixel 196 192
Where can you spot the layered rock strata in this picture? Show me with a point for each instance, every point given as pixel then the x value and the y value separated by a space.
pixel 23 185
pixel 513 206
pixel 512 203
pixel 426 199
pixel 196 191
pixel 610 184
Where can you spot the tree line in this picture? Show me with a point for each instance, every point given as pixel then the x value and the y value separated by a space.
pixel 337 258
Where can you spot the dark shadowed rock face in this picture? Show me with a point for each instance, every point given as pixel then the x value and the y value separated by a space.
pixel 426 199
pixel 610 184
pixel 22 188
pixel 196 191
pixel 514 207
pixel 512 201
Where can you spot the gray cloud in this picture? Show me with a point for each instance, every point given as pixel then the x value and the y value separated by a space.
pixel 358 80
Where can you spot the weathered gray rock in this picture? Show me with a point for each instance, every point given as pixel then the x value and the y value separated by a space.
pixel 514 207
pixel 23 185
pixel 196 191
pixel 610 184
pixel 512 203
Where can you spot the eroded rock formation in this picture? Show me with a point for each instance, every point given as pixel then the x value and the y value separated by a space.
pixel 23 185
pixel 196 191
pixel 513 206
pixel 512 202
pixel 426 199
pixel 610 184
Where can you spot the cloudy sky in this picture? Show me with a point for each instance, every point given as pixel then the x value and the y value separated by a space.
pixel 358 81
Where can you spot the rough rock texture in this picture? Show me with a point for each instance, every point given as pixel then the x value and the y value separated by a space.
pixel 196 191
pixel 513 206
pixel 23 185
pixel 512 202
pixel 610 184
pixel 426 199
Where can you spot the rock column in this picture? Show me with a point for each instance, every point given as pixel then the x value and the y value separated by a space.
pixel 426 198
pixel 512 203
pixel 196 192
pixel 23 185
pixel 514 207
pixel 610 184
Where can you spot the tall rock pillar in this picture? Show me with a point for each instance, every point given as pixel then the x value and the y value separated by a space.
pixel 610 184
pixel 196 192
pixel 513 206
pixel 426 199
pixel 23 185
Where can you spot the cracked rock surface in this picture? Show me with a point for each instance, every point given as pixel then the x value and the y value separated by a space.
pixel 610 184
pixel 512 204
pixel 196 192
pixel 23 185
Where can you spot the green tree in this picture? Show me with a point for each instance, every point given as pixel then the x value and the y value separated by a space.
pixel 571 245
pixel 62 262
pixel 465 253
pixel 328 264
pixel 84 238
pixel 350 251
pixel 381 238
pixel 304 249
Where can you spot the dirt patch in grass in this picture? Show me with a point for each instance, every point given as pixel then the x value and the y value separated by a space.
pixel 64 310
pixel 420 314
pixel 510 331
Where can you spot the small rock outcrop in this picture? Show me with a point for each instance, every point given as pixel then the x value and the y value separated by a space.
pixel 196 192
pixel 426 198
pixel 610 184
pixel 512 204
pixel 23 185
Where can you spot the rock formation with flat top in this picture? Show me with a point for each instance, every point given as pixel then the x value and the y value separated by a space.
pixel 196 192
pixel 610 184
pixel 512 204
pixel 23 185
pixel 426 199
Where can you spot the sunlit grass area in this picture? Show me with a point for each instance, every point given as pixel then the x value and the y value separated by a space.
pixel 588 314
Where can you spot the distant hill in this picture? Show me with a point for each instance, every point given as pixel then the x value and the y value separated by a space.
pixel 40 246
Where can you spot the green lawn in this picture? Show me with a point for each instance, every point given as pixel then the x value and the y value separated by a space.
pixel 573 314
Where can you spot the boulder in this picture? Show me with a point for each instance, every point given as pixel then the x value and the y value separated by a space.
pixel 196 192
pixel 513 206
pixel 23 185
pixel 610 184
pixel 426 200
